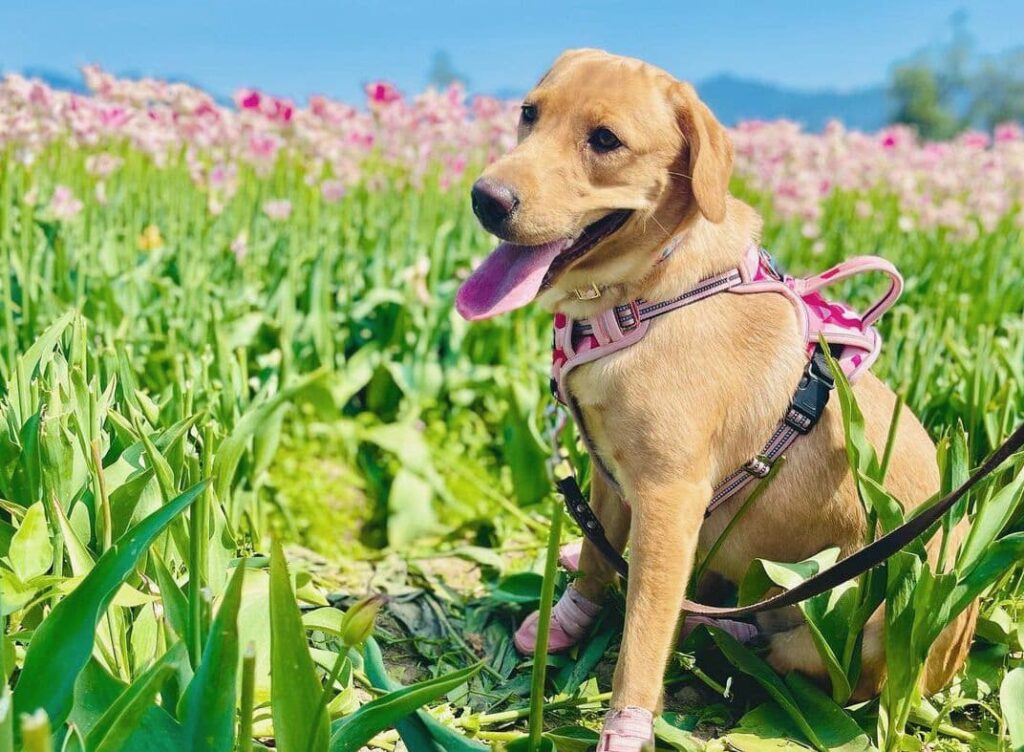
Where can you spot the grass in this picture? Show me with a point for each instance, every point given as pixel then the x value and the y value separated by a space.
pixel 323 385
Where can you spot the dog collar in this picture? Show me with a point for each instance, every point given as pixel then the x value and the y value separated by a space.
pixel 594 292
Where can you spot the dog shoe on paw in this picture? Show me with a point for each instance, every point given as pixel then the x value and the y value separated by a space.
pixel 628 729
pixel 571 617
pixel 569 556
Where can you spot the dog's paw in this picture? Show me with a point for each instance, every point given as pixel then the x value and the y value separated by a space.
pixel 570 619
pixel 628 729
pixel 569 556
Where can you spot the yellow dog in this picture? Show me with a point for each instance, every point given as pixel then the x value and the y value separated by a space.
pixel 615 158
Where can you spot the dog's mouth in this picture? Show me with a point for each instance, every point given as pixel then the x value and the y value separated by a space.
pixel 513 274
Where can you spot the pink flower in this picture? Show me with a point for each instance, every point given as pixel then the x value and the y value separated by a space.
pixel 247 99
pixel 63 204
pixel 278 209
pixel 332 191
pixel 240 245
pixel 381 92
pixel 1007 132
pixel 975 139
pixel 102 165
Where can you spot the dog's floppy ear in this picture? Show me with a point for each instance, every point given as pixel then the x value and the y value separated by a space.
pixel 710 153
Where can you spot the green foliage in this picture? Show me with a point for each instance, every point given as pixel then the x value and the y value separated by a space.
pixel 322 383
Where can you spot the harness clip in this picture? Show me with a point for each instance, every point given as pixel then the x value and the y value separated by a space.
pixel 759 466
pixel 810 398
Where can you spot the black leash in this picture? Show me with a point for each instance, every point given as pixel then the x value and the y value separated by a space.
pixel 842 571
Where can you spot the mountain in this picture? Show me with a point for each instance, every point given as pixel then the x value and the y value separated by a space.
pixel 56 79
pixel 734 99
pixel 731 97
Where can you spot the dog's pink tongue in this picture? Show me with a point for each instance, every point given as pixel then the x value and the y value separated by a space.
pixel 507 279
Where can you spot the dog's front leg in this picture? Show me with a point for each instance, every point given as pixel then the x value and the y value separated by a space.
pixel 663 540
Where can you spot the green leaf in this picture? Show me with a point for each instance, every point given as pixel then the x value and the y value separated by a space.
pixel 1011 698
pixel 208 713
pixel 31 552
pixel 753 666
pixel 124 500
pixel 573 738
pixel 411 728
pixel 96 691
pixel 6 719
pixel 522 744
pixel 77 552
pixel 828 616
pixel 838 731
pixel 571 676
pixel 766 728
pixel 354 731
pixel 673 736
pixel 993 563
pixel 522 588
pixel 410 509
pixel 61 646
pixel 992 516
pixel 173 599
pixel 299 724
pixel 121 720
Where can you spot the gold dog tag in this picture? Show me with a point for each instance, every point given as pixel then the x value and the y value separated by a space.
pixel 588 294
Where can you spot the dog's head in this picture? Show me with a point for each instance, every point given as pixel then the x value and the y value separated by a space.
pixel 613 156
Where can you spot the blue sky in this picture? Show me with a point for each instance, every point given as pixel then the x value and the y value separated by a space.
pixel 299 48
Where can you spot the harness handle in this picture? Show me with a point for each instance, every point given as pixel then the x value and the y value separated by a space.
pixel 851 268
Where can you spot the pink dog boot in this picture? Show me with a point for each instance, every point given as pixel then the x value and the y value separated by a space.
pixel 628 729
pixel 569 556
pixel 741 630
pixel 570 619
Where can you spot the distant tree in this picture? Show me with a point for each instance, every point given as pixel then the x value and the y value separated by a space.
pixel 997 90
pixel 944 89
pixel 920 101
pixel 443 72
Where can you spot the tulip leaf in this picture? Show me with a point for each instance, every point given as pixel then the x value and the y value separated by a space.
pixel 31 552
pixel 208 715
pixel 418 730
pixel 61 646
pixel 355 730
pixel 295 691
pixel 1011 697
pixel 121 720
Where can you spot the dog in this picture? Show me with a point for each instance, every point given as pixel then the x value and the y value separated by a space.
pixel 614 158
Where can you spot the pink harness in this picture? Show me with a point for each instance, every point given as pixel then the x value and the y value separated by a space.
pixel 851 334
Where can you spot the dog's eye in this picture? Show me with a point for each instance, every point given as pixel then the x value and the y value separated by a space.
pixel 529 114
pixel 602 139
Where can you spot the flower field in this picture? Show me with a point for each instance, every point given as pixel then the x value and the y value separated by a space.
pixel 236 402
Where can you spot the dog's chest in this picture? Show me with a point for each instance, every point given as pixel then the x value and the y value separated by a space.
pixel 699 394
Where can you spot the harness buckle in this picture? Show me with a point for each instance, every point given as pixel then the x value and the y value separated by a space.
pixel 759 466
pixel 810 397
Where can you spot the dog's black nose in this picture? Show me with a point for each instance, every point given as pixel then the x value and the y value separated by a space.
pixel 493 202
